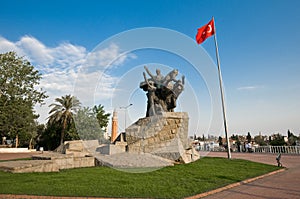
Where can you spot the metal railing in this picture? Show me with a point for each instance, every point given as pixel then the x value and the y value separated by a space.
pixel 257 149
pixel 277 149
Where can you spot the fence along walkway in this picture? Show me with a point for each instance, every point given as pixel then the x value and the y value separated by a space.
pixel 277 149
pixel 259 149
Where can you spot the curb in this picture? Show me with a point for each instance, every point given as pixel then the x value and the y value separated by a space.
pixel 201 195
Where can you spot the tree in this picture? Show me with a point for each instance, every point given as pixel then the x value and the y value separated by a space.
pixel 48 137
pixel 220 141
pixel 102 117
pixel 260 140
pixel 40 130
pixel 62 112
pixel 291 138
pixel 87 125
pixel 234 137
pixel 248 137
pixel 289 133
pixel 278 140
pixel 18 96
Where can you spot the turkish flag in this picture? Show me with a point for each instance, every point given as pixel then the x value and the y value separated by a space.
pixel 205 31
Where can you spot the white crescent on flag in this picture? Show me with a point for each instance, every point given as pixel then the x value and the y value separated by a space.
pixel 210 29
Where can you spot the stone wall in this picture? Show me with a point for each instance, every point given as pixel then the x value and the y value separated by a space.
pixel 47 162
pixel 65 161
pixel 80 148
pixel 25 166
pixel 164 135
pixel 76 154
pixel 109 149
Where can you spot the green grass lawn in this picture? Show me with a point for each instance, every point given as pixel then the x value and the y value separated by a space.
pixel 169 182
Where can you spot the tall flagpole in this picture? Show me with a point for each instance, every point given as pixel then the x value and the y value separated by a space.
pixel 222 94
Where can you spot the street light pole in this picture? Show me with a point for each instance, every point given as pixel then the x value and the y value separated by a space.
pixel 125 113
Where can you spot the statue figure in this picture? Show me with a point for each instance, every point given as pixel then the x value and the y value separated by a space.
pixel 158 79
pixel 170 77
pixel 178 86
pixel 150 95
pixel 162 92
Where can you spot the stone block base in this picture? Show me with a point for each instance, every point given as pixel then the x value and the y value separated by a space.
pixel 164 135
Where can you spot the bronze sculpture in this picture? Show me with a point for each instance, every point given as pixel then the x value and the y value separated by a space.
pixel 162 92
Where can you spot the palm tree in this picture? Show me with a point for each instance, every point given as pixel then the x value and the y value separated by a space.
pixel 102 117
pixel 62 112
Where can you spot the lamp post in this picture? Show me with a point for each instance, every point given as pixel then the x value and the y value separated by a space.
pixel 125 113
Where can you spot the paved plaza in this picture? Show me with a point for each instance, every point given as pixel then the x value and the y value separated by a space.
pixel 282 185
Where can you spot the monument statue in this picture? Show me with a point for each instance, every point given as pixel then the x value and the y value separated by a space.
pixel 162 92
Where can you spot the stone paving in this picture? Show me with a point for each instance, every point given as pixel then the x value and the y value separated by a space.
pixel 283 185
pixel 133 160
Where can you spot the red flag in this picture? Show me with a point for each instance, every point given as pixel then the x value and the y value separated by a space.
pixel 205 31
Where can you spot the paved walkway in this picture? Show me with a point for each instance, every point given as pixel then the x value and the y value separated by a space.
pixel 283 185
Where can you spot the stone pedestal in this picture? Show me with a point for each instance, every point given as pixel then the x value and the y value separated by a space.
pixel 164 135
pixel 80 148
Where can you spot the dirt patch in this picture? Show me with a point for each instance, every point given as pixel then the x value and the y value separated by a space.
pixel 12 156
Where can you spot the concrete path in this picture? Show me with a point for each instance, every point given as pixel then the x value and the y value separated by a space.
pixel 283 185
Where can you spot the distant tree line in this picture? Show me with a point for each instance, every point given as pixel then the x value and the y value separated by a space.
pixel 273 140
pixel 262 140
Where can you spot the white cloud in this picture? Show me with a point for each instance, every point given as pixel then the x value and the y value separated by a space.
pixel 68 68
pixel 248 88
pixel 110 56
pixel 44 58
pixel 68 55
pixel 36 51
pixel 6 46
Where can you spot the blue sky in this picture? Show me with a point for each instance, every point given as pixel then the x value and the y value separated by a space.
pixel 258 45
